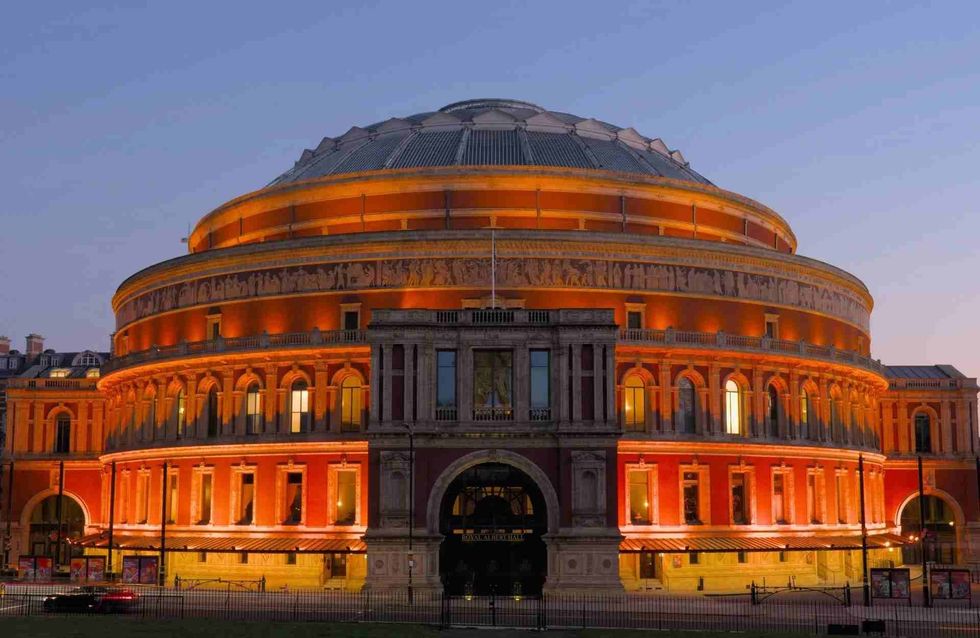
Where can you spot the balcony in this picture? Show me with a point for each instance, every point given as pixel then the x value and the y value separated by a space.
pixel 264 341
pixel 48 383
pixel 724 341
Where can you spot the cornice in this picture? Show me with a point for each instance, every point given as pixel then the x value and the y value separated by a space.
pixel 748 449
pixel 238 450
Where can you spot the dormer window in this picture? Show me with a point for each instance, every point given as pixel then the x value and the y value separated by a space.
pixel 92 373
pixel 59 373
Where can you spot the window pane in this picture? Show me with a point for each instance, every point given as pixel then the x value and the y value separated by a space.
pixel 446 379
pixel 492 374
pixel 247 500
pixel 692 504
pixel 639 486
pixel 206 480
pixel 293 499
pixel 346 498
pixel 686 405
pixel 540 379
pixel 733 416
pixel 739 496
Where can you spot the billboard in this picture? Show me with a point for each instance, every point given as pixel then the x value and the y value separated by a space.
pixel 949 584
pixel 140 570
pixel 891 583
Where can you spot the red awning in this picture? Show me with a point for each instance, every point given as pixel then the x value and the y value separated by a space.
pixel 200 543
pixel 756 543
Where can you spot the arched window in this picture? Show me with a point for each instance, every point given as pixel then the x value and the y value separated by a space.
pixel 835 417
pixel 213 413
pixel 772 410
pixel 180 413
pixel 686 406
pixel 350 403
pixel 733 407
pixel 253 409
pixel 634 404
pixel 151 417
pixel 923 433
pixel 62 434
pixel 804 414
pixel 299 407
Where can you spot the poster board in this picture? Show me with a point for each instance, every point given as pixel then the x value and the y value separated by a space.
pixel 950 584
pixel 140 570
pixel 891 583
pixel 86 569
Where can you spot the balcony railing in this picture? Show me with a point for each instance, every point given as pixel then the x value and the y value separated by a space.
pixel 264 341
pixel 493 414
pixel 49 383
pixel 724 341
pixel 931 384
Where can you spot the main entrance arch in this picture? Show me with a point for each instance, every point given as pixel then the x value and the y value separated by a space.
pixel 43 527
pixel 493 517
pixel 940 529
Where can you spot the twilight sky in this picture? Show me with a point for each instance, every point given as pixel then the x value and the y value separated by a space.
pixel 859 122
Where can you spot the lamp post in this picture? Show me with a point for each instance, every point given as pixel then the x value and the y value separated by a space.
pixel 411 506
pixel 864 535
pixel 922 538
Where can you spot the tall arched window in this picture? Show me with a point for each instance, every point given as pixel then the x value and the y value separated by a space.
pixel 214 413
pixel 733 407
pixel 299 407
pixel 253 409
pixel 835 417
pixel 634 404
pixel 350 403
pixel 151 417
pixel 772 410
pixel 923 433
pixel 62 434
pixel 804 414
pixel 180 413
pixel 686 405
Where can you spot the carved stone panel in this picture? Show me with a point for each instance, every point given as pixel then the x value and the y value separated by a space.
pixel 589 488
pixel 393 505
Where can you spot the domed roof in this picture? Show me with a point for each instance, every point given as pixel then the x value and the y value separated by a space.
pixel 490 132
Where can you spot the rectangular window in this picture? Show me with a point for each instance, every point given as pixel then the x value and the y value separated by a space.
pixel 648 565
pixel 841 498
pixel 346 497
pixel 291 558
pixel 639 497
pixel 694 558
pixel 253 410
pixel 692 498
pixel 246 498
pixel 204 502
pixel 174 500
pixel 743 557
pixel 588 382
pixel 397 382
pixel 812 504
pixel 142 497
pixel 214 326
pixel 772 326
pixel 740 504
pixel 352 319
pixel 293 499
pixel 634 320
pixel 540 385
pixel 243 558
pixel 335 565
pixel 446 385
pixel 202 557
pixel 299 407
pixel 493 376
pixel 779 499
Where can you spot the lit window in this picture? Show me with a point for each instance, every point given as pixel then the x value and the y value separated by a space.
pixel 246 499
pixel 634 404
pixel 350 403
pixel 253 409
pixel 180 412
pixel 779 499
pixel 299 407
pixel 740 498
pixel 733 407
pixel 346 497
pixel 204 498
pixel 92 373
pixel 492 385
pixel 804 415
pixel 639 497
pixel 293 499
pixel 59 373
pixel 841 498
pixel 812 499
pixel 172 495
pixel 142 497
pixel 691 492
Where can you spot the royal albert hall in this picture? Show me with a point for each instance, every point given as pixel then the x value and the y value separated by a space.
pixel 498 348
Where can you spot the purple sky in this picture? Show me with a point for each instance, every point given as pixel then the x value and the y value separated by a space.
pixel 858 122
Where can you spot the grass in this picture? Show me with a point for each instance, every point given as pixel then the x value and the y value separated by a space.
pixel 109 626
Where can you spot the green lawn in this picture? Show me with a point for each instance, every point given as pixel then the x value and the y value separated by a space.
pixel 109 626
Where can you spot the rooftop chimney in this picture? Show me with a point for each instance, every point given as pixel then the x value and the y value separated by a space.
pixel 35 344
pixel 4 345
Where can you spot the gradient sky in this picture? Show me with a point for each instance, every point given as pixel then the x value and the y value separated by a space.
pixel 859 122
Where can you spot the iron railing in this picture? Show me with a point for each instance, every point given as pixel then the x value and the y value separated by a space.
pixel 801 613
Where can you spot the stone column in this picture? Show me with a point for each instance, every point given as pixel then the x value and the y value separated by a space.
pixel 666 394
pixel 945 428
pixel 408 383
pixel 793 415
pixel 228 401
pixel 320 403
pixel 713 426
pixel 904 442
pixel 576 368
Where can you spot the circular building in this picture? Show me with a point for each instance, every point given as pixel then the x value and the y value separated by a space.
pixel 495 348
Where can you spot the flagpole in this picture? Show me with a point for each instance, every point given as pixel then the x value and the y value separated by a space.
pixel 493 268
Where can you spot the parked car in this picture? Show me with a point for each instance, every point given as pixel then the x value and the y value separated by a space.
pixel 93 599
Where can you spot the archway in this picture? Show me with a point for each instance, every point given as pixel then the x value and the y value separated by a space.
pixel 43 537
pixel 939 530
pixel 492 517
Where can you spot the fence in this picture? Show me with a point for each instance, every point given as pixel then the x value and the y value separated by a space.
pixel 796 616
